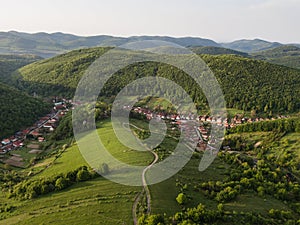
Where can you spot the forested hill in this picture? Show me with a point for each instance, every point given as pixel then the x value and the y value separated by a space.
pixel 210 50
pixel 247 84
pixel 58 75
pixel 253 84
pixel 10 63
pixel 18 110
pixel 251 45
pixel 287 55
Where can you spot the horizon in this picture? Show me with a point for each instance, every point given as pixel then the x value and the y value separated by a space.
pixel 149 35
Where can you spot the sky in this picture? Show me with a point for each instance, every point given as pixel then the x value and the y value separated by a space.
pixel 220 20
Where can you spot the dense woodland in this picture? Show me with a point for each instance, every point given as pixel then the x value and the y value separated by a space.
pixel 209 50
pixel 247 84
pixel 18 110
pixel 283 55
pixel 10 63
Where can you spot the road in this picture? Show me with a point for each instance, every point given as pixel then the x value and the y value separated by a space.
pixel 145 189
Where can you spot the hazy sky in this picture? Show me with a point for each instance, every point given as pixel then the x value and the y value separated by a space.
pixel 221 20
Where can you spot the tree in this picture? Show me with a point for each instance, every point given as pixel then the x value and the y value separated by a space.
pixel 261 191
pixel 181 198
pixel 83 175
pixel 220 207
pixel 61 183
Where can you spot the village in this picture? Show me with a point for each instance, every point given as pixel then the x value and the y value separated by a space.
pixel 203 124
pixel 33 135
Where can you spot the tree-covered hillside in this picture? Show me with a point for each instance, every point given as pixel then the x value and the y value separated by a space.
pixel 247 84
pixel 252 84
pixel 287 55
pixel 18 110
pixel 56 76
pixel 10 63
pixel 209 50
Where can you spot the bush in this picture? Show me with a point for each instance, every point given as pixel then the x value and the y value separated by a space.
pixel 181 199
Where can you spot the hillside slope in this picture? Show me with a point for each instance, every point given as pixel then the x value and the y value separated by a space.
pixel 18 110
pixel 209 50
pixel 10 63
pixel 284 55
pixel 247 84
pixel 251 45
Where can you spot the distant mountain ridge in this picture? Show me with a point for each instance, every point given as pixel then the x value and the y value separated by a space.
pixel 287 55
pixel 48 45
pixel 251 46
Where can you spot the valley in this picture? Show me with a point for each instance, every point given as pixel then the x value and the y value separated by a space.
pixel 253 180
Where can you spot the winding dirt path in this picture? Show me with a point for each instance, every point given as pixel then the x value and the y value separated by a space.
pixel 145 189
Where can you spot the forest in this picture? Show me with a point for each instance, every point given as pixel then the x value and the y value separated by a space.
pixel 247 84
pixel 18 110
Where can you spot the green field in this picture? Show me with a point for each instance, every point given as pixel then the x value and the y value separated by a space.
pixel 98 201
pixel 164 194
pixel 93 202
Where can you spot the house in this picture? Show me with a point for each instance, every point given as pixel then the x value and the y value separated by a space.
pixel 35 133
pixel 41 139
pixel 5 142
pixel 209 119
pixel 24 132
pixel 59 107
pixel 58 103
pixel 18 144
pixel 50 126
pixel 7 148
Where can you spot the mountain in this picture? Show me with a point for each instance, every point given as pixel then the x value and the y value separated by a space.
pixel 210 50
pixel 10 63
pixel 251 46
pixel 18 110
pixel 58 75
pixel 247 83
pixel 48 45
pixel 287 55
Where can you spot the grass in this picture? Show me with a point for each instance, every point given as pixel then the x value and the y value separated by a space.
pixel 101 201
pixel 63 164
pixel 93 202
pixel 251 202
pixel 165 193
pixel 70 159
pixel 98 201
